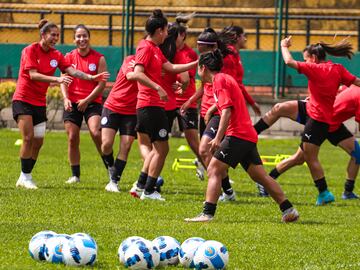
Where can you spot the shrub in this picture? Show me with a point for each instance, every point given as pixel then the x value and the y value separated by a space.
pixel 7 90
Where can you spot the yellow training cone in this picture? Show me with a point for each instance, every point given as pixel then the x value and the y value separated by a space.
pixel 183 148
pixel 18 142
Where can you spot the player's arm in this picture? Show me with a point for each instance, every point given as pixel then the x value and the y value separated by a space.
pixel 36 76
pixel 103 76
pixel 223 125
pixel 288 59
pixel 357 81
pixel 209 113
pixel 195 97
pixel 65 94
pixel 179 68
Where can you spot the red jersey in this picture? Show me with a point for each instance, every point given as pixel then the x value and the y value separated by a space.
pixel 233 67
pixel 184 56
pixel 46 63
pixel 167 81
pixel 207 100
pixel 347 105
pixel 123 95
pixel 324 81
pixel 228 95
pixel 151 58
pixel 80 89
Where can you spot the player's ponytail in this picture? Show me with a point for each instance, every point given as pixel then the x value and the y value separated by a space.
pixel 213 60
pixel 45 26
pixel 155 21
pixel 342 48
pixel 228 36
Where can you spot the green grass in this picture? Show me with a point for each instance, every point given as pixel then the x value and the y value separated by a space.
pixel 324 238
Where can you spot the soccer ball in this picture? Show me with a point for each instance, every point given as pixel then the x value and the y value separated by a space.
pixel 54 246
pixel 141 255
pixel 211 255
pixel 187 251
pixel 125 245
pixel 169 249
pixel 37 244
pixel 85 235
pixel 80 250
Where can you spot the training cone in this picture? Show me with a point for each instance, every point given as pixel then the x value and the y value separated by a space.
pixel 183 148
pixel 18 142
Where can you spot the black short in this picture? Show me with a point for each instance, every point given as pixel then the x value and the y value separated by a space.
pixel 233 151
pixel 189 120
pixel 202 126
pixel 302 114
pixel 77 117
pixel 153 122
pixel 342 133
pixel 212 127
pixel 123 122
pixel 315 132
pixel 38 113
pixel 171 115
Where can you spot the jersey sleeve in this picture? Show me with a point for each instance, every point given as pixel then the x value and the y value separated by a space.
pixel 305 68
pixel 64 63
pixel 30 59
pixel 126 68
pixel 143 56
pixel 223 99
pixel 346 77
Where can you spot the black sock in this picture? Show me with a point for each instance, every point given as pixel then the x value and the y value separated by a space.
pixel 103 160
pixel 150 185
pixel 119 168
pixel 209 208
pixel 142 180
pixel 285 205
pixel 226 186
pixel 33 161
pixel 260 126
pixel 349 185
pixel 274 173
pixel 75 169
pixel 321 184
pixel 26 165
pixel 108 160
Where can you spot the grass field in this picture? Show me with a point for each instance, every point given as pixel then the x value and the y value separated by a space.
pixel 324 238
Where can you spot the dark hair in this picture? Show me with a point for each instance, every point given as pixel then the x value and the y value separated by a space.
pixel 81 26
pixel 45 26
pixel 213 60
pixel 208 38
pixel 342 48
pixel 168 47
pixel 155 21
pixel 229 36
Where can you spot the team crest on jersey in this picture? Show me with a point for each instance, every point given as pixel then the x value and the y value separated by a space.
pixel 162 133
pixel 92 67
pixel 53 63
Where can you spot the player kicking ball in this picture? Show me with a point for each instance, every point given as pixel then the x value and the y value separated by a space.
pixel 235 141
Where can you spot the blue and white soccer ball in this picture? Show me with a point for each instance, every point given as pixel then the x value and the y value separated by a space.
pixel 141 255
pixel 37 244
pixel 85 235
pixel 79 250
pixel 187 251
pixel 211 255
pixel 125 245
pixel 54 246
pixel 169 250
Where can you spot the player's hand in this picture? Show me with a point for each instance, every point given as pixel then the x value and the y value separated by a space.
pixel 66 80
pixel 101 77
pixel 207 117
pixel 82 105
pixel 178 88
pixel 214 145
pixel 286 42
pixel 67 105
pixel 256 109
pixel 162 93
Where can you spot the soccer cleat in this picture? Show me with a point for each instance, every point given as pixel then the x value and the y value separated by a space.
pixel 159 184
pixel 262 190
pixel 26 183
pixel 112 187
pixel 200 218
pixel 73 180
pixel 325 197
pixel 200 170
pixel 348 195
pixel 135 191
pixel 290 215
pixel 152 196
pixel 227 198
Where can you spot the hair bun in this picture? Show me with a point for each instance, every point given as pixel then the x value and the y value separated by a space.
pixel 157 13
pixel 42 23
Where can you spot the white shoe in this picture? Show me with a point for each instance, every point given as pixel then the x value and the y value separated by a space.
pixel 231 181
pixel 26 183
pixel 73 180
pixel 153 196
pixel 112 187
pixel 227 198
pixel 200 218
pixel 290 215
pixel 200 170
pixel 135 191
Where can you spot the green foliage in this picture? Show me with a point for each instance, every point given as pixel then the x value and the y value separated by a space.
pixel 324 238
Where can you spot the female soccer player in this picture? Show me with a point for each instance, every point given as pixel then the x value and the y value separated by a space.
pixel 119 114
pixel 37 67
pixel 152 124
pixel 235 141
pixel 324 78
pixel 82 99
